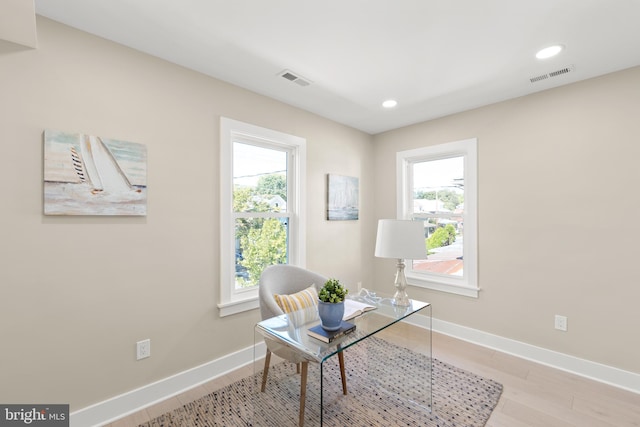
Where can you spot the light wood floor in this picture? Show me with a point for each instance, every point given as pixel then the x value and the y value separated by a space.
pixel 533 395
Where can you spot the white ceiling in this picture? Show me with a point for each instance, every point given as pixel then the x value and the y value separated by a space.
pixel 435 57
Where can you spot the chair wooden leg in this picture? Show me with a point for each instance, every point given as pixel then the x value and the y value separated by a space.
pixel 303 391
pixel 265 372
pixel 297 368
pixel 342 373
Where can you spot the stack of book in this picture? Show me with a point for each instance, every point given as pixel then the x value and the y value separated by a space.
pixel 320 333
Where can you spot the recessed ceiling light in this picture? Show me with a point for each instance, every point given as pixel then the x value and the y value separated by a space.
pixel 548 52
pixel 389 103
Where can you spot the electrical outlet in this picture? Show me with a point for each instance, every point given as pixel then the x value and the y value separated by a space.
pixel 143 349
pixel 561 323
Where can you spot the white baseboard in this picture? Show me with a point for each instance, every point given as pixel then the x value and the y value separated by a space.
pixel 135 400
pixel 596 371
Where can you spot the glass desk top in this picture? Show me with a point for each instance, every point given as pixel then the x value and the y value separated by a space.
pixel 291 329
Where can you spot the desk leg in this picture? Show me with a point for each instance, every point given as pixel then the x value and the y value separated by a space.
pixel 303 391
pixel 267 360
pixel 343 375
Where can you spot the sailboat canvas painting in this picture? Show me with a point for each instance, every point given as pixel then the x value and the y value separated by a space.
pixel 343 195
pixel 90 175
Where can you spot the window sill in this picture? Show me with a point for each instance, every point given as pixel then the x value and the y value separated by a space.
pixel 452 288
pixel 233 307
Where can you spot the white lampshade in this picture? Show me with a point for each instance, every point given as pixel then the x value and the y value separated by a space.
pixel 400 239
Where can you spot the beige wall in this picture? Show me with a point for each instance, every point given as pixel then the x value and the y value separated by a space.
pixel 78 292
pixel 558 209
pixel 18 22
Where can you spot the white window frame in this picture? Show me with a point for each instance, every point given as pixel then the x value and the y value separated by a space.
pixel 234 300
pixel 466 285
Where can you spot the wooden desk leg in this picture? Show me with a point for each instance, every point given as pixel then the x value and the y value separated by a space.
pixel 342 372
pixel 303 391
pixel 265 372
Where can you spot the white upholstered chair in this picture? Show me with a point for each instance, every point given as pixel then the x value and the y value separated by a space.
pixel 286 280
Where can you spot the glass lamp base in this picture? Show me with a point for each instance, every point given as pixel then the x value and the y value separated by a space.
pixel 401 298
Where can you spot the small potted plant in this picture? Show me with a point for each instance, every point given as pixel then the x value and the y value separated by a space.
pixel 331 305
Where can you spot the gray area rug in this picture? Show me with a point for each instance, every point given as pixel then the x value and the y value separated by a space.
pixel 376 372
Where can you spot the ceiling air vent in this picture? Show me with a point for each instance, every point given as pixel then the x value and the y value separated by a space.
pixel 555 73
pixel 296 78
pixel 538 78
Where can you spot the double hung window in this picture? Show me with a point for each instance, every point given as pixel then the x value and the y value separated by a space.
pixel 262 208
pixel 438 186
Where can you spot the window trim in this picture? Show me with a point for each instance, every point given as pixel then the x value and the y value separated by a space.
pixel 468 285
pixel 234 301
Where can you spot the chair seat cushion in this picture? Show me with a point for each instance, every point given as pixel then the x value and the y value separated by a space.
pixel 300 300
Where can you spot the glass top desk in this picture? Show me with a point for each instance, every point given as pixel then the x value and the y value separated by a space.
pixel 382 358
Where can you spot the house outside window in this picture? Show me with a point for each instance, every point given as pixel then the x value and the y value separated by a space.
pixel 262 208
pixel 438 186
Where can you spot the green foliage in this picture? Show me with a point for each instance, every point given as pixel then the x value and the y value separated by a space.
pixel 264 244
pixel 451 230
pixel 427 195
pixel 244 201
pixel 443 236
pixel 450 199
pixel 437 239
pixel 272 185
pixel 241 198
pixel 333 291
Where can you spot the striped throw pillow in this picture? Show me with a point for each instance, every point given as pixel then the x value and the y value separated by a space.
pixel 294 302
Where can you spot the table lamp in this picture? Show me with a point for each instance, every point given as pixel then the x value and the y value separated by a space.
pixel 400 239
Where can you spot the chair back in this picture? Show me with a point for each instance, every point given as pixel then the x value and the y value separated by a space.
pixel 284 279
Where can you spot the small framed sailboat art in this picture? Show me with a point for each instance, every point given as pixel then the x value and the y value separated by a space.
pixel 343 195
pixel 90 175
